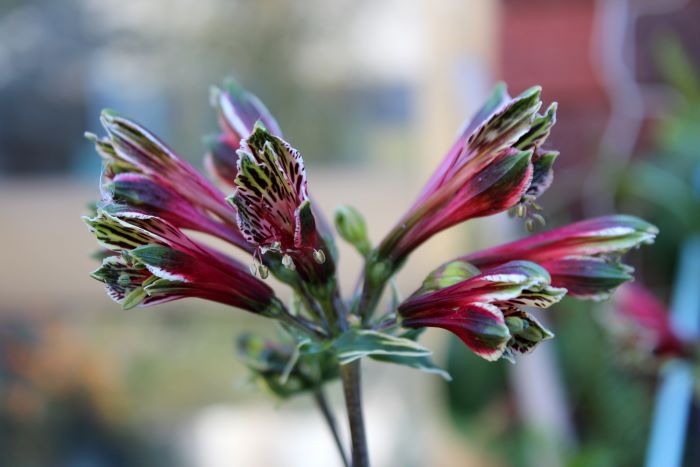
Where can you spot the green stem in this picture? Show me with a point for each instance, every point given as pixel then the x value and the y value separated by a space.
pixel 322 403
pixel 350 374
pixel 304 325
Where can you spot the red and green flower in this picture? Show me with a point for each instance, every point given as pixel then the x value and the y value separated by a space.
pixel 485 309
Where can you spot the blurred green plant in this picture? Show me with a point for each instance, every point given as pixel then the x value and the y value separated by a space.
pixel 664 183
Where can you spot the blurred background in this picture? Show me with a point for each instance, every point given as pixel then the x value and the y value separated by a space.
pixel 372 94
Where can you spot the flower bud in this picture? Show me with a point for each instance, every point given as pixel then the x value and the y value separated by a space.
pixel 351 226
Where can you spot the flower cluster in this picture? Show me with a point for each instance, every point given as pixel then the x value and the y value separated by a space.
pixel 152 198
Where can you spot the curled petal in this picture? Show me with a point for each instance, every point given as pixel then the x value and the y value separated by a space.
pixel 481 326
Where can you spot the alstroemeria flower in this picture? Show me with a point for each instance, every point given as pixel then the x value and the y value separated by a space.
pixel 648 321
pixel 582 257
pixel 274 210
pixel 238 112
pixel 154 262
pixel 141 171
pixel 484 308
pixel 496 164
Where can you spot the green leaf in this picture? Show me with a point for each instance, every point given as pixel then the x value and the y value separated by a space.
pixel 358 343
pixel 423 363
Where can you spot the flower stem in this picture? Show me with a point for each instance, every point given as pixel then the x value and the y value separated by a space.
pixel 322 403
pixel 304 325
pixel 350 374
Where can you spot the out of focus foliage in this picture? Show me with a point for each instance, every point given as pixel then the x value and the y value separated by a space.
pixel 664 184
pixel 609 404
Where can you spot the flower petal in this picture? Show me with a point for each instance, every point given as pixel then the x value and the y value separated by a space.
pixel 271 185
pixel 125 282
pixel 239 110
pixel 499 284
pixel 481 326
pixel 221 160
pixel 525 330
pixel 588 277
pixel 543 172
pixel 613 234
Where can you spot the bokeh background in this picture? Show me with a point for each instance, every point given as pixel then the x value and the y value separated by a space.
pixel 372 94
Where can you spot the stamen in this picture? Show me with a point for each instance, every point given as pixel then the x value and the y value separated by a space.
pixel 530 225
pixel 288 262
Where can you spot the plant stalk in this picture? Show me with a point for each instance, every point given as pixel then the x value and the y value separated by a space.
pixel 351 375
pixel 322 403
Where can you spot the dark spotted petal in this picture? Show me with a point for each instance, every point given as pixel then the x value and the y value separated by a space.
pixel 271 186
pixel 125 281
pixel 525 330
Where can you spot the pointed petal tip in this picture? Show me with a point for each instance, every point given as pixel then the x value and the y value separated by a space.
pixel 533 93
pixel 108 115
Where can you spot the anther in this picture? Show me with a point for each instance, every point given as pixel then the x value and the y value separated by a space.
pixel 319 256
